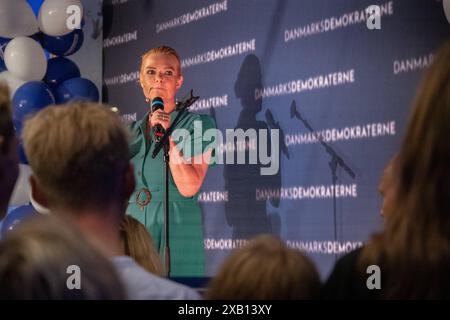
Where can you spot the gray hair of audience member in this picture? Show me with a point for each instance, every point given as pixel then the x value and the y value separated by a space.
pixel 265 269
pixel 42 259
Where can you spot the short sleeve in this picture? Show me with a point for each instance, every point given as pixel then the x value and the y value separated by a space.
pixel 135 141
pixel 200 136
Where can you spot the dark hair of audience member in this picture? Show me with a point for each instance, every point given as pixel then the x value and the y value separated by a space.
pixel 9 156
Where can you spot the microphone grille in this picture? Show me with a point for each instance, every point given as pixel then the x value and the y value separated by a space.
pixel 157 103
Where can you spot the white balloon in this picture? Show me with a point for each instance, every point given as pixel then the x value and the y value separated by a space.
pixel 16 19
pixel 446 4
pixel 12 82
pixel 54 19
pixel 25 59
pixel 21 193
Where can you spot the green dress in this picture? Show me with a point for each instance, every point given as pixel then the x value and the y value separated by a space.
pixel 185 220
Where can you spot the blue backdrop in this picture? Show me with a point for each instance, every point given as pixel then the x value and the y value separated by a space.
pixel 252 62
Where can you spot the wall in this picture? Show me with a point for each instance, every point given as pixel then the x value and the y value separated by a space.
pixel 252 62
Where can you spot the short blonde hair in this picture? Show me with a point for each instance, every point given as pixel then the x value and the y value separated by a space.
pixel 265 269
pixel 161 50
pixel 78 153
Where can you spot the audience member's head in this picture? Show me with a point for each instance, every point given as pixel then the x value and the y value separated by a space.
pixel 387 188
pixel 46 258
pixel 265 268
pixel 79 156
pixel 9 156
pixel 414 250
pixel 80 161
pixel 138 244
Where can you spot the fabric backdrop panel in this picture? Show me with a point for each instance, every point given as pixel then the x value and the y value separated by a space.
pixel 252 62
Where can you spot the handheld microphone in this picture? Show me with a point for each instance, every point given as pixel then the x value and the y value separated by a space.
pixel 157 103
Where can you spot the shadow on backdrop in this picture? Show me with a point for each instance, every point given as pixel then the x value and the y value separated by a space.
pixel 245 213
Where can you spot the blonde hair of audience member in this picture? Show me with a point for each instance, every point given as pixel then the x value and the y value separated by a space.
pixel 35 262
pixel 79 156
pixel 138 244
pixel 9 159
pixel 265 268
pixel 414 250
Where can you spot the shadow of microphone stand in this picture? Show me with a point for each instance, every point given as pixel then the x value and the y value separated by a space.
pixel 334 162
pixel 276 125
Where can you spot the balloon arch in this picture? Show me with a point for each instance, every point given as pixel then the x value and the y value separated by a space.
pixel 36 39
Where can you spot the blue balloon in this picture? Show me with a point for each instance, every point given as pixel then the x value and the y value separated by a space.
pixel 35 5
pixel 77 89
pixel 18 124
pixel 17 216
pixel 2 65
pixel 63 45
pixel 60 69
pixel 3 43
pixel 37 36
pixel 29 99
